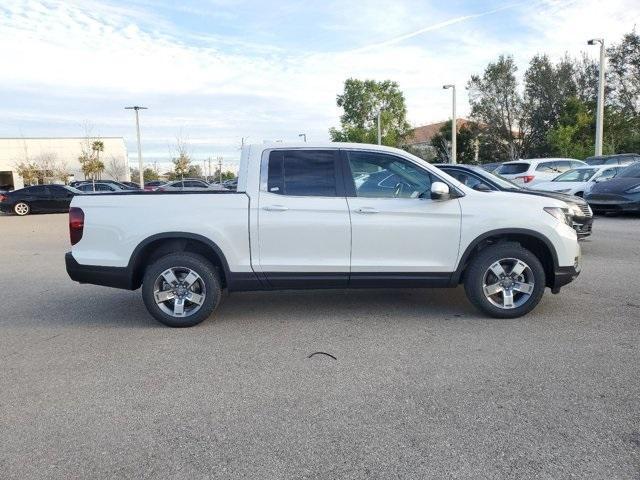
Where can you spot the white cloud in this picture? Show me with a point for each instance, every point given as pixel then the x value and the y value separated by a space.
pixel 107 56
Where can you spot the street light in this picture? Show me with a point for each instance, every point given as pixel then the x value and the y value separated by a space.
pixel 379 128
pixel 454 123
pixel 141 168
pixel 600 110
pixel 304 136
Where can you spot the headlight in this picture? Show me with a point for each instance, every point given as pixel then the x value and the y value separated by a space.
pixel 561 214
pixel 575 211
pixel 635 189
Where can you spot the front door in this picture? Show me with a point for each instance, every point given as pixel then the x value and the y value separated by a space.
pixel 304 232
pixel 398 232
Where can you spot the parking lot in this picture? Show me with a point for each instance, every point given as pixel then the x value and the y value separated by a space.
pixel 422 385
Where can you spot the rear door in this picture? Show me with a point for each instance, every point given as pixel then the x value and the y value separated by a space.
pixel 398 231
pixel 61 197
pixel 304 231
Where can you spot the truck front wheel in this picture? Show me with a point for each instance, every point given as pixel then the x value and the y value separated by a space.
pixel 505 280
pixel 181 289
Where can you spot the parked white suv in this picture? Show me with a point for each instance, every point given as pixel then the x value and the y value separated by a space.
pixel 331 215
pixel 528 172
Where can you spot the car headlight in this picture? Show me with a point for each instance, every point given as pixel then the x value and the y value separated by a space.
pixel 561 214
pixel 575 211
pixel 635 189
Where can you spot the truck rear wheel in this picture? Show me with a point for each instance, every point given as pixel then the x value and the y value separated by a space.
pixel 181 289
pixel 505 280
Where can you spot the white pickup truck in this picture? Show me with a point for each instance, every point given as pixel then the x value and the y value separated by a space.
pixel 334 215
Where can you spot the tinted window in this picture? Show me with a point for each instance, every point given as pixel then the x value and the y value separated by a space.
pixel 302 173
pixel 379 175
pixel 613 161
pixel 513 168
pixel 549 167
pixel 594 161
pixel 632 171
pixel 101 187
pixel 193 183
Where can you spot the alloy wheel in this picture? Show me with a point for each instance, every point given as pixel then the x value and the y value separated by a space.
pixel 179 292
pixel 508 283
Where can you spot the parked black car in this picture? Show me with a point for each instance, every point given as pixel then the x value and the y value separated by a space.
pixel 479 179
pixel 620 194
pixel 38 198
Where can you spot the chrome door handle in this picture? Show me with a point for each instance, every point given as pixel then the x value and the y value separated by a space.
pixel 275 208
pixel 367 210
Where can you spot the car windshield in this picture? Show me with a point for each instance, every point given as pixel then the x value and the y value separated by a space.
pixel 595 161
pixel 513 168
pixel 576 175
pixel 501 181
pixel 632 171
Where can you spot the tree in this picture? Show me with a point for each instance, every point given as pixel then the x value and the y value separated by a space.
pixel 28 171
pixel 546 89
pixel 89 158
pixel 360 101
pixel 496 104
pixel 115 168
pixel 466 139
pixel 624 74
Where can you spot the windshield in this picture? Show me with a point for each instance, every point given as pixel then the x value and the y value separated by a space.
pixel 513 168
pixel 595 161
pixel 632 171
pixel 501 181
pixel 576 175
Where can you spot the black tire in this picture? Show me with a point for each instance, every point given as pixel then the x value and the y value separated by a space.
pixel 479 266
pixel 208 276
pixel 22 209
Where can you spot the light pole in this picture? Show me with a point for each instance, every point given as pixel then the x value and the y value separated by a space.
pixel 303 136
pixel 454 123
pixel 140 166
pixel 600 110
pixel 379 128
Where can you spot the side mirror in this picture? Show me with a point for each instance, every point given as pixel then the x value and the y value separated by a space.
pixel 439 191
pixel 482 187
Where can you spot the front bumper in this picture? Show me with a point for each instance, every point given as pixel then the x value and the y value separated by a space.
pixel 613 203
pixel 116 277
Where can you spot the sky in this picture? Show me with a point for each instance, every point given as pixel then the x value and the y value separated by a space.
pixel 214 71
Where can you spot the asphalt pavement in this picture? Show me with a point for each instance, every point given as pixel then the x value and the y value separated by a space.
pixel 422 385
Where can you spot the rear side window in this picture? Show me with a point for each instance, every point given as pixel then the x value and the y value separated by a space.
pixel 302 173
pixel 513 168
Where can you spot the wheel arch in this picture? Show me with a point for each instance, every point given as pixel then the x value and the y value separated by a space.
pixel 158 245
pixel 533 241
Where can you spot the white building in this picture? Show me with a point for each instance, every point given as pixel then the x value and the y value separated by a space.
pixel 62 151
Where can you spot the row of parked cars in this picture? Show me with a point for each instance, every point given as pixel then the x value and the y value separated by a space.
pixel 56 198
pixel 609 183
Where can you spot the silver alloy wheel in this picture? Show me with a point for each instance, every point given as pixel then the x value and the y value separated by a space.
pixel 21 208
pixel 508 283
pixel 179 292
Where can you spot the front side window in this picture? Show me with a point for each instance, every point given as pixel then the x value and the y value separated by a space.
pixel 302 173
pixel 468 179
pixel 608 174
pixel 379 175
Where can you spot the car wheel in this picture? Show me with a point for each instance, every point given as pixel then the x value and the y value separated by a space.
pixel 505 280
pixel 181 289
pixel 22 209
